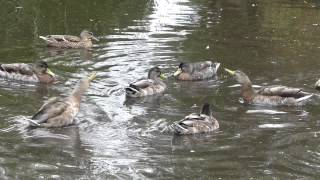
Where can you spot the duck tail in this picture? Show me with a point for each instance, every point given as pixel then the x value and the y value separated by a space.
pixel 33 123
pixel 206 109
pixel 175 128
pixel 216 66
pixel 131 91
pixel 44 38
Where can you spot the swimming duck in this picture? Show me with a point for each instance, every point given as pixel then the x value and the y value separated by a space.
pixel 146 87
pixel 68 41
pixel 196 71
pixel 36 72
pixel 195 123
pixel 269 95
pixel 317 85
pixel 60 112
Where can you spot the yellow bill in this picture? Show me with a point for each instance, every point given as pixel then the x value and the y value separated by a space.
pixel 92 76
pixel 179 71
pixel 48 71
pixel 230 71
pixel 162 76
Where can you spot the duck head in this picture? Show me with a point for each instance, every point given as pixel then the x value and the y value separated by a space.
pixel 239 76
pixel 155 72
pixel 183 67
pixel 84 84
pixel 206 109
pixel 42 68
pixel 87 35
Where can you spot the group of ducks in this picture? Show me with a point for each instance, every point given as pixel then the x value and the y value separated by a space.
pixel 60 112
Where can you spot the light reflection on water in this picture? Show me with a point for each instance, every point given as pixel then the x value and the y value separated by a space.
pixel 115 137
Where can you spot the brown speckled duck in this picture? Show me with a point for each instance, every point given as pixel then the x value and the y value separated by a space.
pixel 145 87
pixel 36 72
pixel 196 71
pixel 194 123
pixel 269 95
pixel 60 112
pixel 68 41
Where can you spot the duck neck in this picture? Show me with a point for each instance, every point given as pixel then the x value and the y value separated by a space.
pixel 157 80
pixel 247 92
pixel 79 90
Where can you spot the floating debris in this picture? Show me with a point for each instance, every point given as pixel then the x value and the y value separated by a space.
pixel 276 125
pixel 239 85
pixel 265 111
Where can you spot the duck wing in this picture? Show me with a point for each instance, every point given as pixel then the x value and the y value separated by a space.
pixel 20 68
pixel 282 91
pixel 201 65
pixel 53 107
pixel 61 38
pixel 191 124
pixel 142 84
pixel 189 120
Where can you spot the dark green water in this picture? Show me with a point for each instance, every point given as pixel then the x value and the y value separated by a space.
pixel 273 41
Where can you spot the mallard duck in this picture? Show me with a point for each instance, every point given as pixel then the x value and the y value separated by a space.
pixel 269 95
pixel 58 111
pixel 317 85
pixel 36 72
pixel 196 71
pixel 146 87
pixel 195 123
pixel 68 41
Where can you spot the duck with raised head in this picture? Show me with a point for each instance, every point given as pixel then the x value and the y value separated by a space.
pixel 60 112
pixel 196 71
pixel 269 95
pixel 69 41
pixel 145 87
pixel 35 72
pixel 195 123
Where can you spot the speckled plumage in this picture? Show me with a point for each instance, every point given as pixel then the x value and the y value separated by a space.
pixel 197 71
pixel 68 41
pixel 60 112
pixel 145 87
pixel 194 123
pixel 37 72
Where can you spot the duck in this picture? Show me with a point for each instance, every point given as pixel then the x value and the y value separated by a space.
pixel 317 85
pixel 58 111
pixel 196 71
pixel 274 95
pixel 195 123
pixel 146 87
pixel 37 72
pixel 69 41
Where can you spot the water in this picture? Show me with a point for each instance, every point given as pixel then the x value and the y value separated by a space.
pixel 274 42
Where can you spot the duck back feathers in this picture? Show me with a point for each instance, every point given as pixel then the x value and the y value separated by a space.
pixel 197 71
pixel 194 123
pixel 145 87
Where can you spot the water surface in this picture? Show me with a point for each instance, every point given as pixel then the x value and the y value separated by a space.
pixel 274 42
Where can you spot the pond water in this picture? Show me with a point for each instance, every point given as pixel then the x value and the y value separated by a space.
pixel 274 42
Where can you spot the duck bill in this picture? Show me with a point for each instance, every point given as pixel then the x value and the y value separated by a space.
pixel 179 71
pixel 162 76
pixel 92 76
pixel 94 38
pixel 230 71
pixel 48 71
